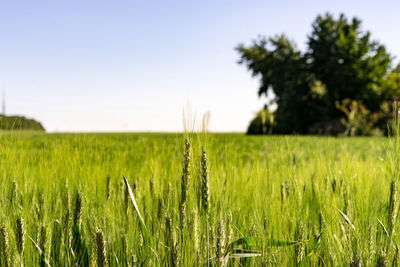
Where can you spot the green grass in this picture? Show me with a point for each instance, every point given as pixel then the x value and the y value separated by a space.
pixel 282 194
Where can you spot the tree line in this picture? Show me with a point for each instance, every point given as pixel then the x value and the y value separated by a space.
pixel 19 123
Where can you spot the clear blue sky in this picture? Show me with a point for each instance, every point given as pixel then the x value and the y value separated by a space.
pixel 133 65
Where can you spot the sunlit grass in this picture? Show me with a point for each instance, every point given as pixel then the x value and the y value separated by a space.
pixel 285 191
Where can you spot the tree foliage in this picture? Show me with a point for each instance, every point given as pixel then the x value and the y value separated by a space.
pixel 262 122
pixel 341 64
pixel 19 123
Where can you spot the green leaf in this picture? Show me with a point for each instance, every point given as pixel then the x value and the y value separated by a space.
pixel 142 225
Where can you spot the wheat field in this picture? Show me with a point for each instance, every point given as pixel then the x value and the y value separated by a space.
pixel 201 199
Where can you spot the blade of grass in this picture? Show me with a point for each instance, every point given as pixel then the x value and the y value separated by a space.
pixel 387 234
pixel 142 225
pixel 347 219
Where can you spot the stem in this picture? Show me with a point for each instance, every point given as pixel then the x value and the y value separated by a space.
pixel 208 248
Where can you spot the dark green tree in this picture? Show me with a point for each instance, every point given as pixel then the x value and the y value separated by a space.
pixel 19 123
pixel 262 122
pixel 348 62
pixel 340 64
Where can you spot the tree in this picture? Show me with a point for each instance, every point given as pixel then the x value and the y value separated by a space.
pixel 19 123
pixel 262 122
pixel 347 61
pixel 341 62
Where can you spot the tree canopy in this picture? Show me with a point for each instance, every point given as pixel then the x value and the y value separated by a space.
pixel 19 123
pixel 343 71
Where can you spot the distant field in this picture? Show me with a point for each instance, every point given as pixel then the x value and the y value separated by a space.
pixel 302 200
